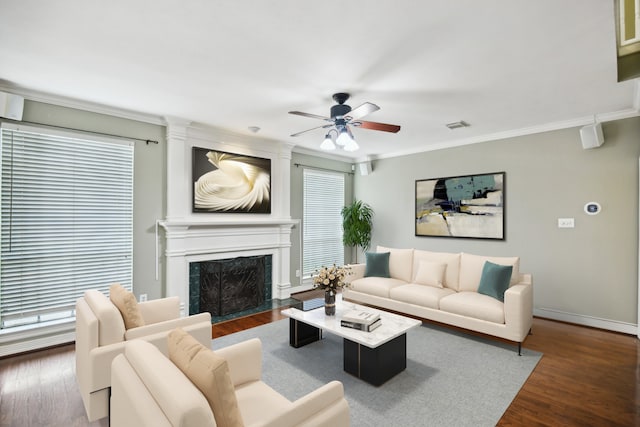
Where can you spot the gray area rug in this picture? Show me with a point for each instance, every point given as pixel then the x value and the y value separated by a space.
pixel 452 379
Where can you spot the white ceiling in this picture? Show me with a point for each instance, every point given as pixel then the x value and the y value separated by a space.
pixel 506 67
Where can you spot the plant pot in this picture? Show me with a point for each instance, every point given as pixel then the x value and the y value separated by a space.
pixel 329 303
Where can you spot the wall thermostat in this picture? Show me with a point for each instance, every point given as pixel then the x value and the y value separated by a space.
pixel 592 208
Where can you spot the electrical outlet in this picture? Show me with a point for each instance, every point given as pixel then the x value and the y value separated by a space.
pixel 297 273
pixel 143 297
pixel 566 223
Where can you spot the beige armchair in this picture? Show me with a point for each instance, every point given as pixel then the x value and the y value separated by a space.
pixel 148 389
pixel 101 336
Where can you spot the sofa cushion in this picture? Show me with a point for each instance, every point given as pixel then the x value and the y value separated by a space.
pixel 471 269
pixel 495 280
pixel 209 372
pixel 425 296
pixel 451 274
pixel 377 264
pixel 430 274
pixel 475 305
pixel 400 262
pixel 378 286
pixel 127 304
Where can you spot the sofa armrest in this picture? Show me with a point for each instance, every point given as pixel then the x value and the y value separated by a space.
pixel 525 278
pixel 518 308
pixel 357 271
pixel 159 310
pixel 323 406
pixel 244 360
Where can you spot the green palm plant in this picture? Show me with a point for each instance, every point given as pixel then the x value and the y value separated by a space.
pixel 357 221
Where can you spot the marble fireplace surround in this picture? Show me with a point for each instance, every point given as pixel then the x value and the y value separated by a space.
pixel 193 241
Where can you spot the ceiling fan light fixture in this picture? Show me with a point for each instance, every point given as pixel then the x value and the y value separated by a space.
pixel 327 144
pixel 343 138
pixel 351 146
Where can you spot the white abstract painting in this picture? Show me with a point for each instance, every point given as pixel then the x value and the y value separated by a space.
pixel 226 182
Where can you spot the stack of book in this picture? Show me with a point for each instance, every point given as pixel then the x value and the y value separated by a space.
pixel 361 320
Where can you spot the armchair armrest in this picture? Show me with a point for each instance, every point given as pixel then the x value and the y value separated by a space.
pixel 323 406
pixel 159 310
pixel 244 360
pixel 187 323
pixel 100 358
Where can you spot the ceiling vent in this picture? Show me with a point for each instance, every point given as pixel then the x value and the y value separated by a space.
pixel 458 125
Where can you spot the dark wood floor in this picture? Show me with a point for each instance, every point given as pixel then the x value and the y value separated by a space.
pixel 587 377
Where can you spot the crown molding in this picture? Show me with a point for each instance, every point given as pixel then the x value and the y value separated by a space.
pixel 323 154
pixel 62 101
pixel 547 127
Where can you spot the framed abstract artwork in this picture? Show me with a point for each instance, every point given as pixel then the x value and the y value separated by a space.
pixel 470 206
pixel 230 183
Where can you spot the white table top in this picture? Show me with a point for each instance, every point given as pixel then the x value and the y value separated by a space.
pixel 392 326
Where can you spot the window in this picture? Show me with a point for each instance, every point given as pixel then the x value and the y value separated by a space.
pixel 322 221
pixel 66 221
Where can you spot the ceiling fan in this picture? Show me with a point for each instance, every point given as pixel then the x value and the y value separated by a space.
pixel 342 116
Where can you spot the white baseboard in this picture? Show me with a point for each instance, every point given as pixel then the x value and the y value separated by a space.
pixel 36 343
pixel 594 322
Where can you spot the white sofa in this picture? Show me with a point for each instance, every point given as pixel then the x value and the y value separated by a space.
pixel 457 302
pixel 101 336
pixel 149 390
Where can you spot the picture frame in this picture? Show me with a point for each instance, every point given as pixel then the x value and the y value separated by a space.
pixel 465 206
pixel 226 182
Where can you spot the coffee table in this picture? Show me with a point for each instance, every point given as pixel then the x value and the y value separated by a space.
pixel 374 356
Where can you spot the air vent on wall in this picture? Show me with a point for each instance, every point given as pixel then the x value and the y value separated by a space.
pixel 458 125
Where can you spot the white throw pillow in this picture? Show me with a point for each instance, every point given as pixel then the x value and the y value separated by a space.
pixel 431 273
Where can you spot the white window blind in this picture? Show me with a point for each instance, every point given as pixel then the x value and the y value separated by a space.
pixel 322 221
pixel 66 221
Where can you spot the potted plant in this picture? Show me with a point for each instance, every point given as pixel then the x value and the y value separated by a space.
pixel 357 221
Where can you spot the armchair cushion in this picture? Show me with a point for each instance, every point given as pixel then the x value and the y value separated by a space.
pixel 209 372
pixel 127 304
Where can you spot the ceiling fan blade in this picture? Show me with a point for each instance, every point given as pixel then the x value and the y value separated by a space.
pixel 313 116
pixel 318 127
pixel 362 110
pixel 376 126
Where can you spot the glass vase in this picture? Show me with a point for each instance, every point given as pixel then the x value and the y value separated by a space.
pixel 329 303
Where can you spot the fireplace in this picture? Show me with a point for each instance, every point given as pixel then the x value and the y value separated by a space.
pixel 228 286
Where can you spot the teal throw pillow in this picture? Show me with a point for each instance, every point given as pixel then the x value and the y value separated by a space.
pixel 377 264
pixel 495 280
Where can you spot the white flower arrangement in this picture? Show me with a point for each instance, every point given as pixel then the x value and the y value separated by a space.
pixel 331 278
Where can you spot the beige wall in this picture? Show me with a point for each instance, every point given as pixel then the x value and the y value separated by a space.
pixel 589 271
pixel 149 179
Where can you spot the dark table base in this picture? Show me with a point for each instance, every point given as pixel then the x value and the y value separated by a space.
pixel 373 365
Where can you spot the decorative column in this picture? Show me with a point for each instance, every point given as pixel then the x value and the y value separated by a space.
pixel 283 166
pixel 178 165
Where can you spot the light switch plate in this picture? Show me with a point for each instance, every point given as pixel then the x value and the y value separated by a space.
pixel 566 223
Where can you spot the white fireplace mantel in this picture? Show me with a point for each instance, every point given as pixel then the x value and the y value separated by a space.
pixel 194 240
